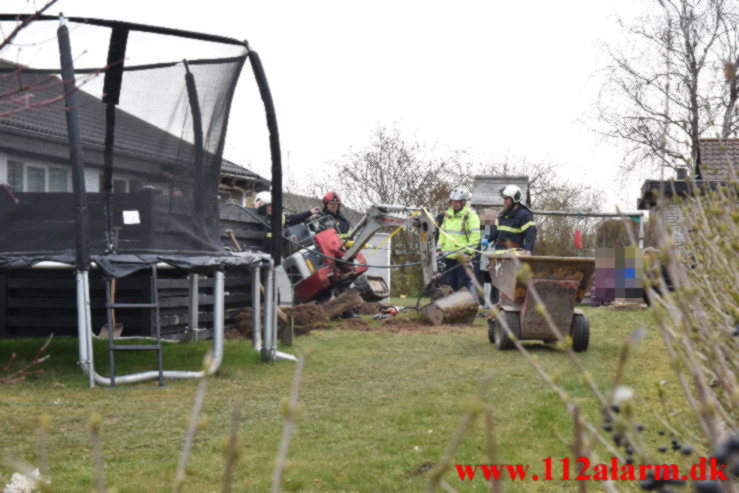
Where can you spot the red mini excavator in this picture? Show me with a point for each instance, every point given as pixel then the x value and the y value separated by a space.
pixel 323 264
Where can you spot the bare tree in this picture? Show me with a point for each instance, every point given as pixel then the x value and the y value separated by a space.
pixel 674 82
pixel 547 191
pixel 394 170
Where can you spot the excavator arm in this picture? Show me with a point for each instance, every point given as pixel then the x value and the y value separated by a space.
pixel 385 217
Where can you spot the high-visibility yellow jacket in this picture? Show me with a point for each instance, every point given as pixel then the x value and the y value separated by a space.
pixel 460 232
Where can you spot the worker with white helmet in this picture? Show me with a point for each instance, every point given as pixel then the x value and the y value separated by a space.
pixel 459 236
pixel 514 226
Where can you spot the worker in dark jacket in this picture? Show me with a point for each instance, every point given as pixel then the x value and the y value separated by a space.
pixel 514 227
pixel 263 203
pixel 332 208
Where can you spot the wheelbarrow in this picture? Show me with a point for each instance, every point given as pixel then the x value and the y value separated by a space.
pixel 561 283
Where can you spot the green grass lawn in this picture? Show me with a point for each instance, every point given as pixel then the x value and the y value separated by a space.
pixel 374 407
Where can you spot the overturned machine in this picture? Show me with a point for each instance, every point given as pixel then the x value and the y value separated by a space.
pixel 321 264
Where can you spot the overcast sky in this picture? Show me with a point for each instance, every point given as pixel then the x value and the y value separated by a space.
pixel 495 79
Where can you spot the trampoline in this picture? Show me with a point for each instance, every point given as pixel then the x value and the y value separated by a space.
pixel 111 161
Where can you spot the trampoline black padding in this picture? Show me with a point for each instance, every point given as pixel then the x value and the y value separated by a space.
pixel 153 107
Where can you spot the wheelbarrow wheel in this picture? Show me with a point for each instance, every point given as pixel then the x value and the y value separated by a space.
pixel 502 341
pixel 580 333
pixel 491 330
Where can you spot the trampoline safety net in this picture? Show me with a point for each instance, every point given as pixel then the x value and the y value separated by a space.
pixel 153 108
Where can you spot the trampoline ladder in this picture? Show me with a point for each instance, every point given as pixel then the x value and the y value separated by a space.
pixel 153 305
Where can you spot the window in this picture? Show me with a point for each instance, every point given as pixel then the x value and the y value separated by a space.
pixel 35 179
pixel 124 185
pixel 58 180
pixel 24 177
pixel 15 175
pixel 120 186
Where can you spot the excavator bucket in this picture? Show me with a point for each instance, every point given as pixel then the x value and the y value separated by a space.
pixel 372 288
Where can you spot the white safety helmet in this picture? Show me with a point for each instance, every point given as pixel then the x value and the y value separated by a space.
pixel 511 191
pixel 459 193
pixel 263 197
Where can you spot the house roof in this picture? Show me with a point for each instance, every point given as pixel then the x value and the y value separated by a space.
pixel 718 157
pixel 43 116
pixel 652 190
pixel 229 168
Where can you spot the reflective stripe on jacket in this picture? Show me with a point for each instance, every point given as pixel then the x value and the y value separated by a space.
pixel 515 229
pixel 460 232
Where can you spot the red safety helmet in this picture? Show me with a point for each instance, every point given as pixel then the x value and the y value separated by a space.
pixel 331 196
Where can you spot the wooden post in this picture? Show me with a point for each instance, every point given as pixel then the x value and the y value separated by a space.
pixel 458 308
pixel 345 301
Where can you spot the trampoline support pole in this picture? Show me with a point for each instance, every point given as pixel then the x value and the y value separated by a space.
pixel 268 348
pixel 256 300
pixel 84 326
pixel 193 329
pixel 85 338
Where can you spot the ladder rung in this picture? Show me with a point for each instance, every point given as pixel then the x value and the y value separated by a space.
pixel 137 347
pixel 131 305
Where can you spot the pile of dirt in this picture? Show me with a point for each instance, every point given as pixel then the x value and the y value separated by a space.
pixel 306 318
pixel 302 330
pixel 368 308
pixel 243 323
pixel 355 324
pixel 404 325
pixel 306 315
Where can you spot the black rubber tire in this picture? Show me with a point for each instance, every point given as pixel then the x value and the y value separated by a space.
pixel 361 284
pixel 491 330
pixel 580 333
pixel 502 341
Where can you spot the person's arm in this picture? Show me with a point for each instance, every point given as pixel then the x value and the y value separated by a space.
pixel 473 238
pixel 493 238
pixel 443 241
pixel 297 218
pixel 344 227
pixel 529 232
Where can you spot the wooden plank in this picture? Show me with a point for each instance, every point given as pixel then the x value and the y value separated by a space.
pixel 184 318
pixel 204 282
pixel 206 300
pixel 345 301
pixel 60 321
pixel 230 213
pixel 247 234
pixel 41 303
